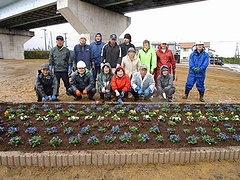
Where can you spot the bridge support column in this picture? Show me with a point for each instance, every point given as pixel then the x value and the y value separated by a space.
pixel 89 19
pixel 11 43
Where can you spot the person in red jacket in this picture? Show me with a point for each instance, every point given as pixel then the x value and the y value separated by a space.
pixel 164 57
pixel 120 83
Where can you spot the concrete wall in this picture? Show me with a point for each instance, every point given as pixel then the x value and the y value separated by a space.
pixel 88 19
pixel 12 43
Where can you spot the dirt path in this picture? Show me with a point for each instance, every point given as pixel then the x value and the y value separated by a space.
pixel 222 86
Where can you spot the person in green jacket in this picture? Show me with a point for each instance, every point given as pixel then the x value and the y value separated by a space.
pixel 147 56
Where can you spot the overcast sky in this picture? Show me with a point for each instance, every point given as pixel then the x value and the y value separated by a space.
pixel 216 21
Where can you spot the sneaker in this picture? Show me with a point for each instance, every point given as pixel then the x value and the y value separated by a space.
pixel 39 99
pixel 120 100
pixel 170 99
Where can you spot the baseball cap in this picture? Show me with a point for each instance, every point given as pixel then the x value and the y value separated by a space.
pixel 143 66
pixel 45 66
pixel 131 49
pixel 60 37
pixel 113 36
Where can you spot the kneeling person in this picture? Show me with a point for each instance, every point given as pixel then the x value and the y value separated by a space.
pixel 46 84
pixel 142 83
pixel 82 82
pixel 104 81
pixel 165 84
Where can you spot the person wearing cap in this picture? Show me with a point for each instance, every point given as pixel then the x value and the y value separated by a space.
pixel 111 53
pixel 126 44
pixel 198 63
pixel 60 61
pixel 83 52
pixel 164 57
pixel 82 83
pixel 142 83
pixel 97 47
pixel 165 85
pixel 46 84
pixel 147 56
pixel 104 81
pixel 120 84
pixel 131 62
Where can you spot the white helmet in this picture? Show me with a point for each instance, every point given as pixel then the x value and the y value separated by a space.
pixel 199 43
pixel 83 36
pixel 81 64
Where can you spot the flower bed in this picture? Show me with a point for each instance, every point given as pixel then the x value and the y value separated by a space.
pixel 40 127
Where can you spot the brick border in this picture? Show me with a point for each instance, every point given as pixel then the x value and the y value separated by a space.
pixel 103 157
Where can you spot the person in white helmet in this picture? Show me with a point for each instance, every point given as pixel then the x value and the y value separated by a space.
pixel 198 63
pixel 83 52
pixel 82 83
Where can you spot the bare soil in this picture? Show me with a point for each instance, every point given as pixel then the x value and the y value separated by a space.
pixel 222 86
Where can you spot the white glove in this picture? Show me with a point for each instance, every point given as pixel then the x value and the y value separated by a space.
pixel 164 95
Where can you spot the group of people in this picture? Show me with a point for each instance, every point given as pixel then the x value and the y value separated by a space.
pixel 117 70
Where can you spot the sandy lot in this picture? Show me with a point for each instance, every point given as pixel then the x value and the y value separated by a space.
pixel 222 86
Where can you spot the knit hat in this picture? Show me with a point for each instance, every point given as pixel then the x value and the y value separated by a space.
pixel 128 36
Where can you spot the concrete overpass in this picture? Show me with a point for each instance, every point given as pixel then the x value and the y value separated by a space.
pixel 86 16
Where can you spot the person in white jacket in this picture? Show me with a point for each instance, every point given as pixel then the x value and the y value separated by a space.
pixel 142 83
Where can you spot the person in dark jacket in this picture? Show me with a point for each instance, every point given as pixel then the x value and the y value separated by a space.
pixel 82 82
pixel 83 52
pixel 60 61
pixel 126 44
pixel 198 63
pixel 104 81
pixel 111 53
pixel 165 84
pixel 46 84
pixel 97 47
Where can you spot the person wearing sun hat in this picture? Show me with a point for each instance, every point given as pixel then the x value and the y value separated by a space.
pixel 126 44
pixel 198 63
pixel 142 83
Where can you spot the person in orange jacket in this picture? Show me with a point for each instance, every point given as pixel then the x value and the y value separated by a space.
pixel 120 83
pixel 164 57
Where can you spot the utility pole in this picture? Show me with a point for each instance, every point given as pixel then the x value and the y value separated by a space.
pixel 65 37
pixel 45 39
pixel 236 53
pixel 51 39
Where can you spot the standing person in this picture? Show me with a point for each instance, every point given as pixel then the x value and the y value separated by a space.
pixel 60 61
pixel 83 52
pixel 97 46
pixel 147 56
pixel 126 44
pixel 104 81
pixel 120 84
pixel 165 84
pixel 164 57
pixel 198 63
pixel 142 83
pixel 82 82
pixel 46 84
pixel 111 53
pixel 131 62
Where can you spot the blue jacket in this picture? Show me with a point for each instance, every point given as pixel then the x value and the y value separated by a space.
pixel 97 50
pixel 200 61
pixel 83 53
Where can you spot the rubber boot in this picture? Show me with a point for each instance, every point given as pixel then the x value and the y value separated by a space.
pixel 201 96
pixel 186 94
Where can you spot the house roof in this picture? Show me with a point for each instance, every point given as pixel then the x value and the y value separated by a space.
pixel 189 45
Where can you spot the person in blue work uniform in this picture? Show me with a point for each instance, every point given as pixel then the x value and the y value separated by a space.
pixel 60 61
pixel 198 63
pixel 97 46
pixel 83 52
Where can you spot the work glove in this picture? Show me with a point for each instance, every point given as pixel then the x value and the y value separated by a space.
pixel 84 91
pixel 117 93
pixel 93 65
pixel 174 74
pixel 102 64
pixel 196 70
pixel 78 93
pixel 122 93
pixel 46 98
pixel 139 90
pixel 69 70
pixel 50 69
pixel 120 100
pixel 103 90
pixel 54 98
pixel 164 95
pixel 147 91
